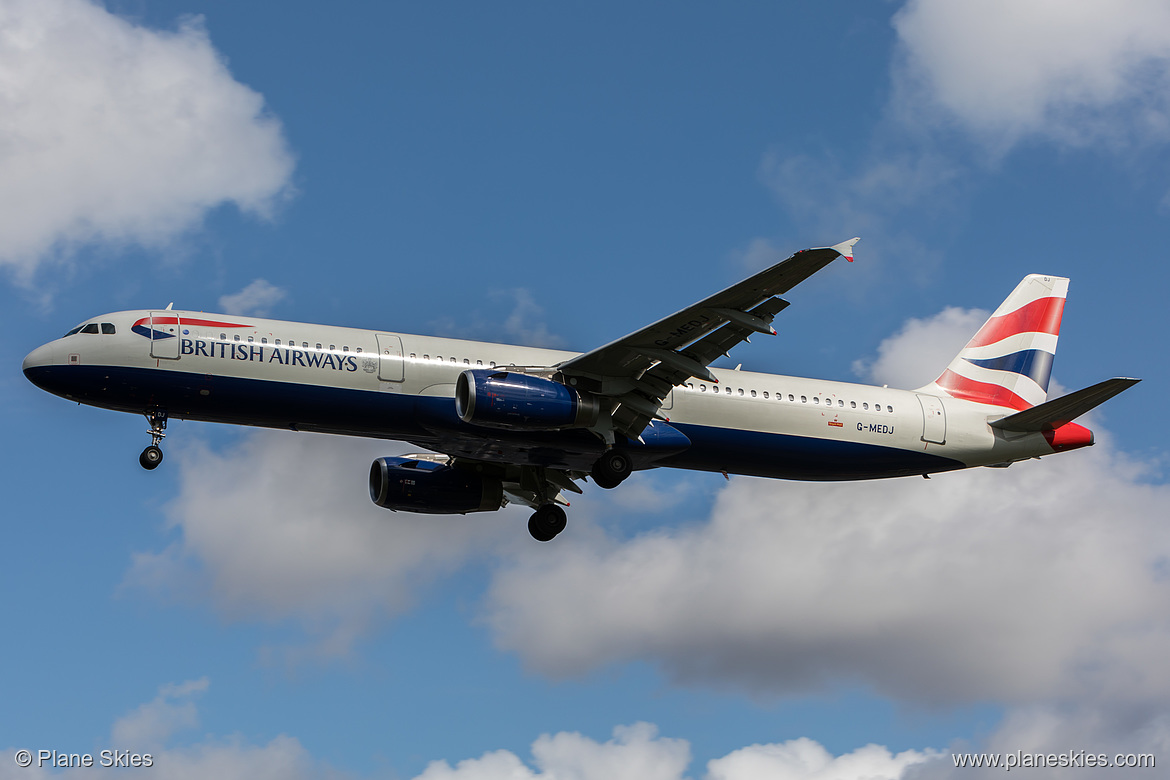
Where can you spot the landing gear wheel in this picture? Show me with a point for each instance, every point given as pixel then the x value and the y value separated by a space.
pixel 152 455
pixel 547 522
pixel 612 468
pixel 150 458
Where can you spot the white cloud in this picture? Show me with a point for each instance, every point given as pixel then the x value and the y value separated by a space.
pixel 1067 70
pixel 525 323
pixel 118 134
pixel 281 526
pixel 256 300
pixel 804 759
pixel 1043 582
pixel 156 721
pixel 231 758
pixel 918 353
pixel 1055 730
pixel 635 752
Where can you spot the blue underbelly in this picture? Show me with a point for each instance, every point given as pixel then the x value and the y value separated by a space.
pixel 432 422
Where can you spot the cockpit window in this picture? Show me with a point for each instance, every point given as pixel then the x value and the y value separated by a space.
pixel 90 328
pixel 108 328
pixel 75 330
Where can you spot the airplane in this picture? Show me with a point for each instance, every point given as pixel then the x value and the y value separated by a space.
pixel 514 424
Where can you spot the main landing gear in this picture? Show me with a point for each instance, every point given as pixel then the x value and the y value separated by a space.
pixel 546 522
pixel 153 455
pixel 612 468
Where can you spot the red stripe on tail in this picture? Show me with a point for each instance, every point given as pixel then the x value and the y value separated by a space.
pixel 1040 316
pixel 980 392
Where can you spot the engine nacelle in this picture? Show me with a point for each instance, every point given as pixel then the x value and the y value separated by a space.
pixel 500 399
pixel 412 485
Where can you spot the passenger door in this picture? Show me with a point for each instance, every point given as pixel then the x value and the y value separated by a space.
pixel 164 335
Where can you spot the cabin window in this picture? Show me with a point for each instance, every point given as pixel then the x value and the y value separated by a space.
pixel 359 349
pixel 702 388
pixel 729 391
pixel 90 328
pixel 865 407
pixel 479 362
pixel 263 340
pixel 412 356
pixel 753 393
pixel 223 337
pixel 332 347
pixel 852 404
pixel 426 357
pixel 278 342
pixel 889 408
pixel 816 400
pixel 741 391
pixel 765 394
pixel 237 337
pixel 251 339
pixel 439 358
pixel 791 397
pixel 345 348
pixel 318 345
pixel 454 360
pixel 492 363
pixel 840 402
pixel 304 345
pixel 466 362
pixel 690 385
pixel 804 399
pixel 877 407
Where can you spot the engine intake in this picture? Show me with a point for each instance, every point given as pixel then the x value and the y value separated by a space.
pixel 500 399
pixel 411 485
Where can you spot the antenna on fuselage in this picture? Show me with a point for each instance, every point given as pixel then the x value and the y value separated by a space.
pixel 169 305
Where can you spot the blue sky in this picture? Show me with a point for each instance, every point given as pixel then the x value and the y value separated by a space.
pixel 562 175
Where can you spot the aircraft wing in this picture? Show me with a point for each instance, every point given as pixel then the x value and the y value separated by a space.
pixel 638 371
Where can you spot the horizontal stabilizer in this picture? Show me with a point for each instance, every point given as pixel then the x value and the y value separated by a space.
pixel 1055 413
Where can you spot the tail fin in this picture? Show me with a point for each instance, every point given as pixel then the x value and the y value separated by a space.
pixel 1009 361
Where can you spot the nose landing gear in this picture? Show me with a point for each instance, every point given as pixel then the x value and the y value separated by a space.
pixel 153 455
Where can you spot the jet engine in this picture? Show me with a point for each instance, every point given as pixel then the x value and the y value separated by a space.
pixel 413 485
pixel 502 399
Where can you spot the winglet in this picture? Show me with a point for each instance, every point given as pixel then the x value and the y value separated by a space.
pixel 845 248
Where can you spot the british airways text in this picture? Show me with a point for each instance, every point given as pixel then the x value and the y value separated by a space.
pixel 263 353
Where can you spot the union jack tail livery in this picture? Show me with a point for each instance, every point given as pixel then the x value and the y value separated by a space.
pixel 1009 361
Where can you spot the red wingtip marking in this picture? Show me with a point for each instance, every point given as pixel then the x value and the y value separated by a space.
pixel 848 258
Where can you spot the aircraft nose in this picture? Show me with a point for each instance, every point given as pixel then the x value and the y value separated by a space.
pixel 40 357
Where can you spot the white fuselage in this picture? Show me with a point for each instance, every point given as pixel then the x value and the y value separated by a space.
pixel 274 373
